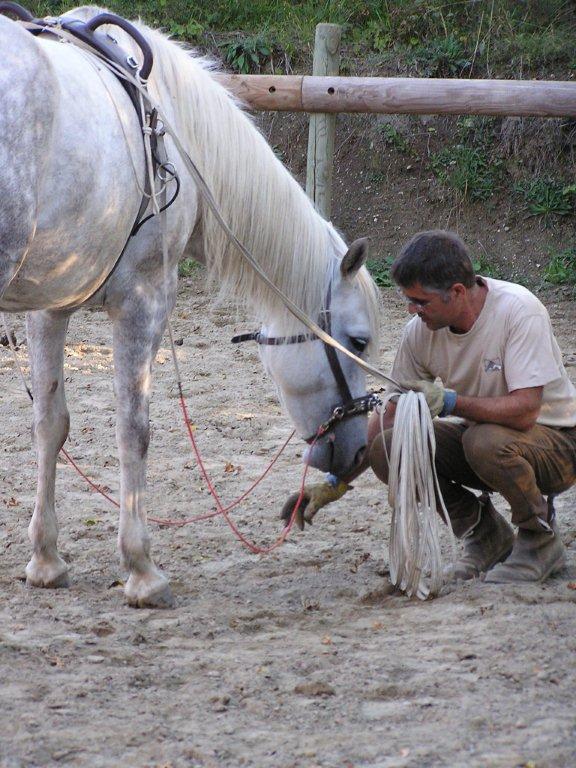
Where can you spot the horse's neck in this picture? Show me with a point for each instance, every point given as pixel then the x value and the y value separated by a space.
pixel 258 198
pixel 269 213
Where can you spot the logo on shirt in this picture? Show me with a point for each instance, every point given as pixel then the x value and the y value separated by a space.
pixel 493 365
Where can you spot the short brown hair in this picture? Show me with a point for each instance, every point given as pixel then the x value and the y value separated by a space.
pixel 436 259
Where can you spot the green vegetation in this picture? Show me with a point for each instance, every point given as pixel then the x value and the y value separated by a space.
pixel 247 54
pixel 393 138
pixel 380 271
pixel 443 57
pixel 189 267
pixel 547 198
pixel 561 269
pixel 470 167
pixel 469 171
pixel 482 266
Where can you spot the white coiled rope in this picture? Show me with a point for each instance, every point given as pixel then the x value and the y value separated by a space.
pixel 414 495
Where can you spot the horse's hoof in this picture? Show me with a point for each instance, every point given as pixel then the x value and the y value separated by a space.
pixel 149 593
pixel 47 575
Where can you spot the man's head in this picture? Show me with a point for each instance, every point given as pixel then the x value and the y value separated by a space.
pixel 436 260
pixel 434 273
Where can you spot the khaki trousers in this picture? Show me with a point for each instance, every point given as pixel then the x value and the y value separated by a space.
pixel 521 466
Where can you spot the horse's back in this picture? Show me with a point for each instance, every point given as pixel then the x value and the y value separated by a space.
pixel 72 171
pixel 27 101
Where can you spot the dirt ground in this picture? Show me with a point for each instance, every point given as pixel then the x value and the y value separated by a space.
pixel 299 658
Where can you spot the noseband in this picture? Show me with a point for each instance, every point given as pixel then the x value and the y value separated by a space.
pixel 350 406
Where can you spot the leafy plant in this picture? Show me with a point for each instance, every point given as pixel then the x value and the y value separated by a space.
pixel 192 30
pixel 247 55
pixel 188 267
pixel 547 198
pixel 483 267
pixel 393 137
pixel 475 130
pixel 444 57
pixel 561 269
pixel 467 170
pixel 380 271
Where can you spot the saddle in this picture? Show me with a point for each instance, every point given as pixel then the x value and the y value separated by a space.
pixel 103 44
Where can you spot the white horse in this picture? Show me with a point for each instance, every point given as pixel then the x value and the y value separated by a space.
pixel 71 179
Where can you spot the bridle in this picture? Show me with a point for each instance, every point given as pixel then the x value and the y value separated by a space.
pixel 349 406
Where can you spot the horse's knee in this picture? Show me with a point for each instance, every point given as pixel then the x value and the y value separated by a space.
pixel 52 427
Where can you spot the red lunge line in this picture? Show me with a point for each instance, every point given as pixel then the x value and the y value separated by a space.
pixel 221 510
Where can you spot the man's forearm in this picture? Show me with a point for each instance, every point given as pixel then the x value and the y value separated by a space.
pixel 509 411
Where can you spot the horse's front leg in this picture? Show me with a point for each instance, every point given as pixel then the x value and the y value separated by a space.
pixel 46 335
pixel 138 328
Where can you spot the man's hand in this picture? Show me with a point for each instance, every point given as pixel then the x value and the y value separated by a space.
pixel 316 496
pixel 440 401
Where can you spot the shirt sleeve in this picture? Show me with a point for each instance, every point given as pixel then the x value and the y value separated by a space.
pixel 406 365
pixel 529 359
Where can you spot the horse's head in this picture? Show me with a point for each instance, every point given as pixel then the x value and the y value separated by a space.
pixel 313 379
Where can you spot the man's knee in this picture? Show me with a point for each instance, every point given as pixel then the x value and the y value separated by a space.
pixel 378 455
pixel 484 444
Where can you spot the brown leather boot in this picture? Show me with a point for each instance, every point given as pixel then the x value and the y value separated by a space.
pixel 488 539
pixel 535 556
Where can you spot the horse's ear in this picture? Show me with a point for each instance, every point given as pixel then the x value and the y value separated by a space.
pixel 354 258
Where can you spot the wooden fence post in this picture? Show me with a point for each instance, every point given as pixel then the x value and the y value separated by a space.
pixel 323 126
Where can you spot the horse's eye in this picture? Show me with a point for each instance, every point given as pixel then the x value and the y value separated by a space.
pixel 359 343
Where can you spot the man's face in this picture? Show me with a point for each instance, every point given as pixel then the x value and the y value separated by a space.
pixel 435 308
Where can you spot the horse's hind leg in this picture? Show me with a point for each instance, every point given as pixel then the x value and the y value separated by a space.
pixel 138 327
pixel 46 335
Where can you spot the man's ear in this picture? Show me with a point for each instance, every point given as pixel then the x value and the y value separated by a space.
pixel 459 289
pixel 354 258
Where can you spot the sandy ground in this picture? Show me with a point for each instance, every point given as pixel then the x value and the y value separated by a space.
pixel 300 658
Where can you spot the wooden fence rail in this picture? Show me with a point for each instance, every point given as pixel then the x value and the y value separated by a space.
pixel 404 95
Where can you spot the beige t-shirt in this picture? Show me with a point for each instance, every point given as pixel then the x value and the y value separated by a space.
pixel 510 346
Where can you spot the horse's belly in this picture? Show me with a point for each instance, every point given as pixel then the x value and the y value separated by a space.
pixel 88 191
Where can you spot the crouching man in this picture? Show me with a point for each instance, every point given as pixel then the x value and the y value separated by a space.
pixel 491 345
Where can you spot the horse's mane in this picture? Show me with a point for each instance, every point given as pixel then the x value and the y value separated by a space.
pixel 259 199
